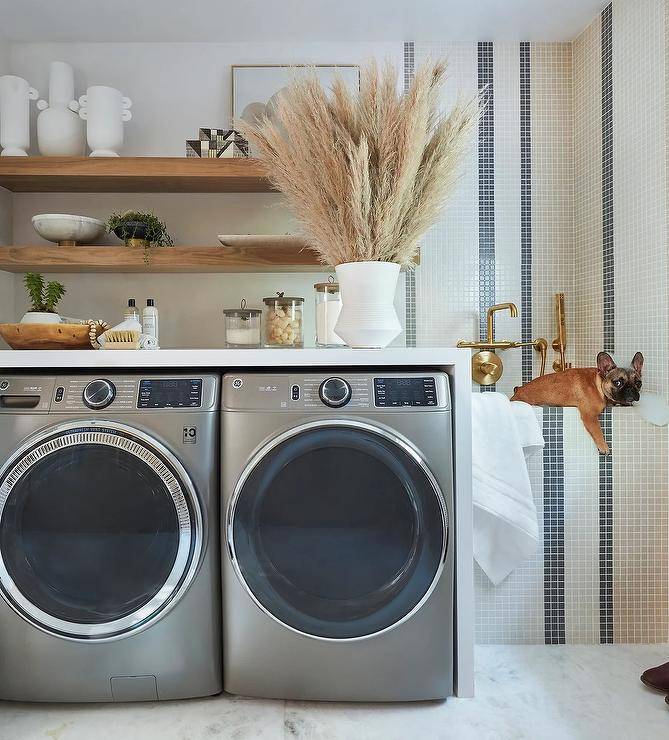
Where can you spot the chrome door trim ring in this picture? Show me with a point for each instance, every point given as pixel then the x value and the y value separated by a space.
pixel 393 437
pixel 92 431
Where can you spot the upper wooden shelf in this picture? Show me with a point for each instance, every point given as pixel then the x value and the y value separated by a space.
pixel 132 175
pixel 51 259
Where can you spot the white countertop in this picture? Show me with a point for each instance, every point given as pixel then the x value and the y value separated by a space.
pixel 229 358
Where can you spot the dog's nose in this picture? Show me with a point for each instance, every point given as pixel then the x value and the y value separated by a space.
pixel 632 395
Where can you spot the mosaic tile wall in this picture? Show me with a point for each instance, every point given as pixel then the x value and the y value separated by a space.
pixel 566 191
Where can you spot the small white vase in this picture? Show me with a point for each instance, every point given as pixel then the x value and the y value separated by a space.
pixel 15 97
pixel 105 110
pixel 368 317
pixel 60 130
pixel 40 317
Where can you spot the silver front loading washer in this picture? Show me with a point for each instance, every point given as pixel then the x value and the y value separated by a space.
pixel 109 542
pixel 337 512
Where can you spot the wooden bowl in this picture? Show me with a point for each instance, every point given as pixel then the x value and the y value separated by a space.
pixel 46 336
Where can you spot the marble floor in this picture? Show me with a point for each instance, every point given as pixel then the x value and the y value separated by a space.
pixel 530 691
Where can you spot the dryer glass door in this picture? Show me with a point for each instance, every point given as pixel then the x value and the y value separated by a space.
pixel 338 530
pixel 97 531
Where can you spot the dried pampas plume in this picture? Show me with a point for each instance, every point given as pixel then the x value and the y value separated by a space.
pixel 366 173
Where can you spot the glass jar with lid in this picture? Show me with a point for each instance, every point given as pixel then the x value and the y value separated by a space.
pixel 242 327
pixel 328 308
pixel 283 321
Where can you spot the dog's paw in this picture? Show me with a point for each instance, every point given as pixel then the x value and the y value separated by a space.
pixel 606 450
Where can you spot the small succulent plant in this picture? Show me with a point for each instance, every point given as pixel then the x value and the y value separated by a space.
pixel 43 296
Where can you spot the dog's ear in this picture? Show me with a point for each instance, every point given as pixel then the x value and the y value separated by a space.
pixel 605 363
pixel 637 363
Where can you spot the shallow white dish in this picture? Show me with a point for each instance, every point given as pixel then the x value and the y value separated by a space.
pixel 67 230
pixel 251 241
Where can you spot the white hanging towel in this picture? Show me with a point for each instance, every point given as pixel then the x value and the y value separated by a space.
pixel 506 531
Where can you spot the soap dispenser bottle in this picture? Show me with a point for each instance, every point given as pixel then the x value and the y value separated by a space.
pixel 131 312
pixel 150 318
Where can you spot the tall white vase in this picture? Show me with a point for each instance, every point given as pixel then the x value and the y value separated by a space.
pixel 368 317
pixel 15 97
pixel 105 110
pixel 60 131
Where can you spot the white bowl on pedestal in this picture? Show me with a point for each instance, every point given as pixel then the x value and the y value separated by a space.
pixel 68 230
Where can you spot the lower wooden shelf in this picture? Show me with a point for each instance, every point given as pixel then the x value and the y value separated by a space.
pixel 265 258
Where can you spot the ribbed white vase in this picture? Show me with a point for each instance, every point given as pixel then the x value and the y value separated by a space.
pixel 368 317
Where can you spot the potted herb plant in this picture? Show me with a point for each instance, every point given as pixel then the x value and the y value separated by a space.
pixel 366 173
pixel 44 298
pixel 139 229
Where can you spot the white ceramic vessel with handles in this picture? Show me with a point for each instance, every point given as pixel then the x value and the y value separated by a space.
pixel 15 97
pixel 105 110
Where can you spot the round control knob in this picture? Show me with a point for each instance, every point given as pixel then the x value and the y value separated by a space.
pixel 335 392
pixel 98 394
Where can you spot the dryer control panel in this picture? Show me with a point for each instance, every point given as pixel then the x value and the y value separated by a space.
pixel 108 394
pixel 337 392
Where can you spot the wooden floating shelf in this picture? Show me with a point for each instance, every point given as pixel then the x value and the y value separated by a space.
pixel 132 175
pixel 266 258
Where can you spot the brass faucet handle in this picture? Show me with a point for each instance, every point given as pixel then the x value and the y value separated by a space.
pixel 487 368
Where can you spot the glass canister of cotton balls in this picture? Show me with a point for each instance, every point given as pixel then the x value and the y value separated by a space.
pixel 242 327
pixel 283 321
pixel 328 307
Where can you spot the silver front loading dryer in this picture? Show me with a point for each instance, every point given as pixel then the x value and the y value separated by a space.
pixel 109 546
pixel 338 558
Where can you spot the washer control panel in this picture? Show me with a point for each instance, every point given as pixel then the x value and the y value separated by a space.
pixel 175 393
pixel 337 392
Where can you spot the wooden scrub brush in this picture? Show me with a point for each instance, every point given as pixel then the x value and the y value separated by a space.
pixel 121 339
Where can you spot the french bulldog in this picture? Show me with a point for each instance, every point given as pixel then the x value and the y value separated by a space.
pixel 589 389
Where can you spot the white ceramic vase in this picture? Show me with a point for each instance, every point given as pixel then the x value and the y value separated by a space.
pixel 60 131
pixel 368 317
pixel 15 97
pixel 105 110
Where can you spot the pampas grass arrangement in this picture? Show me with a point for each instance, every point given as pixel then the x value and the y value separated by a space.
pixel 366 173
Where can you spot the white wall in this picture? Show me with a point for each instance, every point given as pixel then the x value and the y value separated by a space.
pixel 176 89
pixel 6 280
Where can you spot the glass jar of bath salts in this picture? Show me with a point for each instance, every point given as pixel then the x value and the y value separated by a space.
pixel 242 327
pixel 328 308
pixel 283 321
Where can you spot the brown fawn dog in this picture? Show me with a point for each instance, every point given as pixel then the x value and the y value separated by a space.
pixel 589 389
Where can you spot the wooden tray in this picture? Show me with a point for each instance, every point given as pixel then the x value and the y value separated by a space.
pixel 46 336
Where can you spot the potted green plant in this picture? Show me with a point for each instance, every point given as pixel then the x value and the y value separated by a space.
pixel 366 173
pixel 138 229
pixel 44 298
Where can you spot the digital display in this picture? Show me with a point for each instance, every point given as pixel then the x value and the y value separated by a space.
pixel 177 393
pixel 395 392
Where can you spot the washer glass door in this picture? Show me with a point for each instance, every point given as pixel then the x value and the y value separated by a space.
pixel 98 530
pixel 338 530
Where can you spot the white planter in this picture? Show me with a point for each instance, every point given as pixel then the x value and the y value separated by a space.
pixel 105 110
pixel 368 317
pixel 60 130
pixel 15 97
pixel 40 317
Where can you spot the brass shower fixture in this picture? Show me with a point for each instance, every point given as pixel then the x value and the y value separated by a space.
pixel 560 342
pixel 487 366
